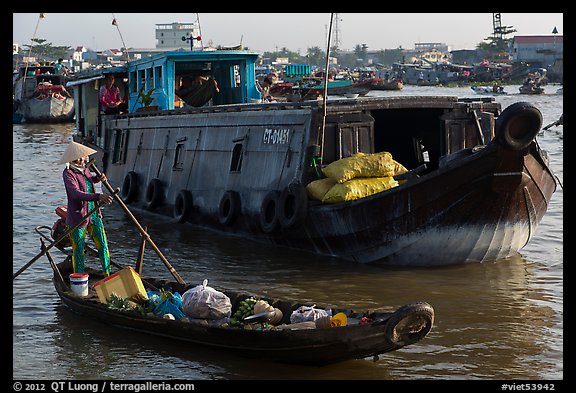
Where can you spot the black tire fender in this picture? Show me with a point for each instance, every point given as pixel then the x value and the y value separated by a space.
pixel 268 212
pixel 518 124
pixel 182 205
pixel 154 194
pixel 130 187
pixel 410 323
pixel 292 206
pixel 229 208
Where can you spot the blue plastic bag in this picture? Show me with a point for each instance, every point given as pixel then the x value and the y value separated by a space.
pixel 166 303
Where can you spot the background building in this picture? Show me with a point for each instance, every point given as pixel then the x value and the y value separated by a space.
pixel 541 50
pixel 169 36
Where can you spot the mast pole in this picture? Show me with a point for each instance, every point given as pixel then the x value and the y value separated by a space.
pixel 325 98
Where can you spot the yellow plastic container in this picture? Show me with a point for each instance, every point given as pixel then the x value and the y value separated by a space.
pixel 126 283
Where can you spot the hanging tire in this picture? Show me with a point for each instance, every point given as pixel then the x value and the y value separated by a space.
pixel 129 191
pixel 292 206
pixel 182 205
pixel 268 212
pixel 410 323
pixel 154 194
pixel 518 124
pixel 229 208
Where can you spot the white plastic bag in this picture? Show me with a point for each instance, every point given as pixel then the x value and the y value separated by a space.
pixel 204 302
pixel 307 313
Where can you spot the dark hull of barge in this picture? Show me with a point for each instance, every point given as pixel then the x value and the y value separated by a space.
pixel 242 169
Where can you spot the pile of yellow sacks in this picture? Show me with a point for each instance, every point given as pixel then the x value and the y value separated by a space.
pixel 355 177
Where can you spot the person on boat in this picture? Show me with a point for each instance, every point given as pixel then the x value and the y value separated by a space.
pixel 264 87
pixel 60 68
pixel 80 191
pixel 197 90
pixel 109 96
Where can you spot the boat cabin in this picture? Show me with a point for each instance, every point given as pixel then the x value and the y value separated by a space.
pixel 27 80
pixel 177 79
pixel 171 80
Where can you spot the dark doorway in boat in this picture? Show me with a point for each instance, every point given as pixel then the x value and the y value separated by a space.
pixel 411 143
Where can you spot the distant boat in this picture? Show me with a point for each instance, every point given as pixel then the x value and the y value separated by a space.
pixel 16 115
pixel 531 89
pixel 335 88
pixel 488 90
pixel 392 84
pixel 41 96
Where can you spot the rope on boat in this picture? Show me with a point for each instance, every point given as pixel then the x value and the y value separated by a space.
pixel 40 17
pixel 325 98
pixel 200 31
pixel 125 50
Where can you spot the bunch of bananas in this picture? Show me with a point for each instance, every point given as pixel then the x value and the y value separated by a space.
pixel 245 309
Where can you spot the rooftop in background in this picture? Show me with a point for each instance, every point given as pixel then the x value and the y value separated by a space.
pixel 538 39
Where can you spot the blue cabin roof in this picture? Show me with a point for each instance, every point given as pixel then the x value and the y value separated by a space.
pixel 233 70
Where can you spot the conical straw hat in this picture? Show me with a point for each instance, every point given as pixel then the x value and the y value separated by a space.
pixel 75 151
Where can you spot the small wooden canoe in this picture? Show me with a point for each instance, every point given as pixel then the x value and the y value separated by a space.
pixel 366 334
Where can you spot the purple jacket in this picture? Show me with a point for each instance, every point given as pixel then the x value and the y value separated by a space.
pixel 77 196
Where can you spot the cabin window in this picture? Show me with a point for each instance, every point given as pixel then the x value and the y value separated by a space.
pixel 120 146
pixel 149 79
pixel 158 77
pixel 237 153
pixel 236 75
pixel 179 157
pixel 133 82
pixel 141 79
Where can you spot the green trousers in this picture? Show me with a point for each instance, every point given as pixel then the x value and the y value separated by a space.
pixel 78 240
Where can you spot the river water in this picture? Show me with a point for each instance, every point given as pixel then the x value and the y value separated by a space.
pixel 501 320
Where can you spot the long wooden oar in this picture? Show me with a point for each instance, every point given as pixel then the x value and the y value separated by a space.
pixel 558 122
pixel 60 238
pixel 52 263
pixel 145 234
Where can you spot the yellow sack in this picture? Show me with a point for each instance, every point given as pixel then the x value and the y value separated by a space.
pixel 358 188
pixel 361 165
pixel 318 188
pixel 399 168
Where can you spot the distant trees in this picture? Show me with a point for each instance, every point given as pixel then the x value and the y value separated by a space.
pixel 495 46
pixel 45 50
pixel 498 43
pixel 316 56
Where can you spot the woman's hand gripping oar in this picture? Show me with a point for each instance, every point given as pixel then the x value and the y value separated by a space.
pixel 140 229
pixel 64 235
